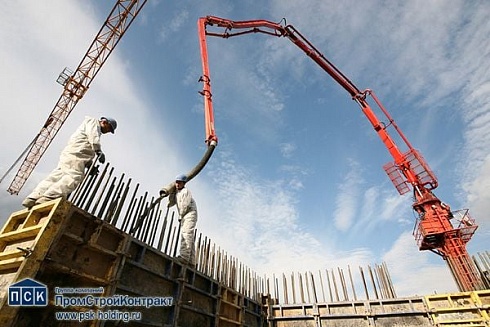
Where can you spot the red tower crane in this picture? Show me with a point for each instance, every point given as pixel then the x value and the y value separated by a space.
pixel 76 84
pixel 438 229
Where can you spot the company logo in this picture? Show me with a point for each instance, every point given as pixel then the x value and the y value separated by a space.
pixel 28 293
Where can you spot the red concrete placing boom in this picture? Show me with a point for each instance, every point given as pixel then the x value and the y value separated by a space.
pixel 438 229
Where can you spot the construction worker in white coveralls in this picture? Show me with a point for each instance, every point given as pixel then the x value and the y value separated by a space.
pixel 187 209
pixel 83 145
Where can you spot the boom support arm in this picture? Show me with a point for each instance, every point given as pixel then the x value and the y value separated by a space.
pixel 435 231
pixel 418 175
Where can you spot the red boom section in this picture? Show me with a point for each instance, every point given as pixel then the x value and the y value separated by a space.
pixel 206 90
pixel 409 170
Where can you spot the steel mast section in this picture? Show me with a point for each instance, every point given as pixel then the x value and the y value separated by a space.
pixel 77 83
pixel 434 226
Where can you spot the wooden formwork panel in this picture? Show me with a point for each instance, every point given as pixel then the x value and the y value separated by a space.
pixel 230 308
pixel 342 308
pixel 354 321
pixel 345 322
pixel 483 298
pixel 189 316
pixel 87 248
pixel 404 312
pixel 460 309
pixel 146 272
pixel 85 252
pixel 24 242
pixel 151 316
pixel 254 314
pixel 20 236
pixel 297 323
pixel 195 295
pixel 198 300
pixel 402 306
pixel 288 311
pixel 386 313
pixel 403 321
pixel 137 279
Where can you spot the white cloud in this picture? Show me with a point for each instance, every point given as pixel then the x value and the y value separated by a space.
pixel 168 29
pixel 287 149
pixel 348 198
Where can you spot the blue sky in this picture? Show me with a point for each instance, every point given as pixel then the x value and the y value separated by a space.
pixel 296 181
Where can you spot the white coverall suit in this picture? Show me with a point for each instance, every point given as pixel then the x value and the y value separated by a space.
pixel 75 156
pixel 187 208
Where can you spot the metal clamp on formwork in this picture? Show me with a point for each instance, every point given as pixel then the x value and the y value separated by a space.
pixel 27 251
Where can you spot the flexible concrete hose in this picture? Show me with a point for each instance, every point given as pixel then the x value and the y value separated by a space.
pixel 170 188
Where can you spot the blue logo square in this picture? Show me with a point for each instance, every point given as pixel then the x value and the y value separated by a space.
pixel 28 293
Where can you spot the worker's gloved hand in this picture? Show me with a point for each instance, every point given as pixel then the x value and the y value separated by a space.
pixel 94 171
pixel 101 156
pixel 163 193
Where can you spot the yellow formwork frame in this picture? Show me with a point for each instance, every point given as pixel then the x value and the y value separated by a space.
pixel 27 234
pixel 460 309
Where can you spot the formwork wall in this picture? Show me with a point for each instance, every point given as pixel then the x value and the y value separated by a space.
pixel 61 245
pixel 458 309
pixel 65 247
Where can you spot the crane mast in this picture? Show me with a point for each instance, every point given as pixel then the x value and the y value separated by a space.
pixel 438 229
pixel 77 83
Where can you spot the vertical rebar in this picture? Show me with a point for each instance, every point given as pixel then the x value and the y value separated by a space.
pixel 162 231
pixel 114 201
pixel 121 203
pixel 129 213
pixel 156 224
pixel 329 286
pixel 293 288
pixel 342 283
pixel 313 287
pixel 101 192
pixel 276 288
pixel 321 285
pixel 352 284
pixel 301 288
pixel 142 205
pixel 335 287
pixel 374 284
pixel 83 183
pixel 87 195
pixel 364 283
pixel 106 199
pixel 173 242
pixel 307 285
pixel 87 189
pixel 147 223
pixel 167 244
pixel 285 289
